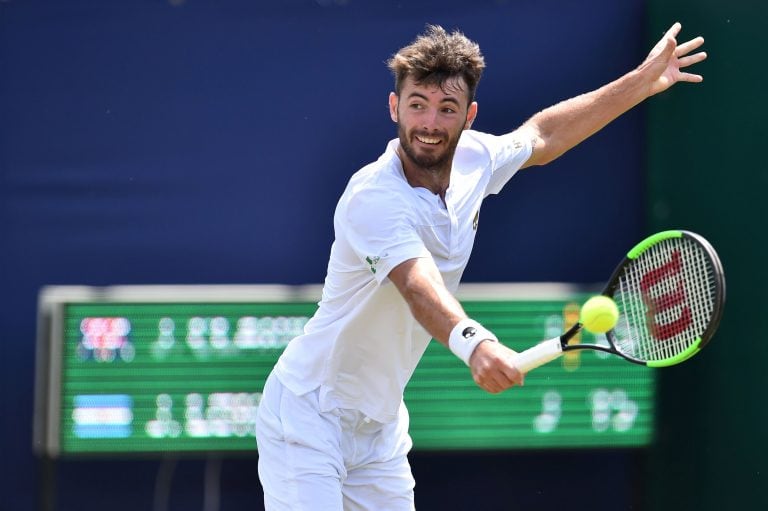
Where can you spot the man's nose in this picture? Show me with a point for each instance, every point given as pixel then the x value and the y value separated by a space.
pixel 430 119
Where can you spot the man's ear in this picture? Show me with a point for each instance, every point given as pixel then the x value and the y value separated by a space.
pixel 471 114
pixel 393 100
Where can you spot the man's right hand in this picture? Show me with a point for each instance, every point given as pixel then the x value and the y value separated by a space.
pixel 493 368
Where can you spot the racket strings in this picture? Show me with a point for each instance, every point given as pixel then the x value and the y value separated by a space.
pixel 666 297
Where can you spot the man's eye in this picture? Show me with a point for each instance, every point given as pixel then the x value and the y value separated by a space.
pixel 417 106
pixel 449 110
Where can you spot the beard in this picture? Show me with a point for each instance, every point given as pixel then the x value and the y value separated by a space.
pixel 439 159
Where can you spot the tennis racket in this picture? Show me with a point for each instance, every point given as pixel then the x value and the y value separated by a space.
pixel 670 292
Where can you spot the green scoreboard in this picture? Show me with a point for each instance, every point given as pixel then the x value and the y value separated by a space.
pixel 158 369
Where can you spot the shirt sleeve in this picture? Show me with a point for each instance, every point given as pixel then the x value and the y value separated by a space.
pixel 508 153
pixel 380 231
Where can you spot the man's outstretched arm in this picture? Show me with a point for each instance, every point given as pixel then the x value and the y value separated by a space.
pixel 561 127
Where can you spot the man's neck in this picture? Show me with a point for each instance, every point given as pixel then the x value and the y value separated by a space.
pixel 436 179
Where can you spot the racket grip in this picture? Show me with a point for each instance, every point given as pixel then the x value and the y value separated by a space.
pixel 538 355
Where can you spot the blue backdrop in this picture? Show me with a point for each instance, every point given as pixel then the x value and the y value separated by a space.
pixel 197 142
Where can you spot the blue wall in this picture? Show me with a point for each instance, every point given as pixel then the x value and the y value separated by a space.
pixel 193 141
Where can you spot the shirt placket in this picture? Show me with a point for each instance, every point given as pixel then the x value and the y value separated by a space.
pixel 453 235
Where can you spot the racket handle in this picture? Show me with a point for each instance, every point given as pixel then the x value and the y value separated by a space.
pixel 539 355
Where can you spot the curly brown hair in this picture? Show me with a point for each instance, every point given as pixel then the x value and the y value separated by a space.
pixel 435 57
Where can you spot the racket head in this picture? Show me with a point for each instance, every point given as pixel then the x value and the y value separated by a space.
pixel 670 291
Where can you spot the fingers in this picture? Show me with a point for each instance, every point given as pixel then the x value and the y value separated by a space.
pixel 668 43
pixel 685 60
pixel 663 50
pixel 688 46
pixel 666 60
pixel 493 369
pixel 499 379
pixel 490 379
pixel 674 30
pixel 497 383
pixel 692 59
pixel 689 77
pixel 683 49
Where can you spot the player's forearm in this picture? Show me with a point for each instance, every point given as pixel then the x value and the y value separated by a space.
pixel 566 124
pixel 430 302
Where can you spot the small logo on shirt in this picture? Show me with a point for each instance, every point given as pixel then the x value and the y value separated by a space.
pixel 476 220
pixel 372 262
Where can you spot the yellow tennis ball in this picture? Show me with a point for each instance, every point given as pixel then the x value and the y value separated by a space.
pixel 599 314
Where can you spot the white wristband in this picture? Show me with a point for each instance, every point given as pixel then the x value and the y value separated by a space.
pixel 465 337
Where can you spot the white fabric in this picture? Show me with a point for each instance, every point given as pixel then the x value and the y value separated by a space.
pixel 362 346
pixel 330 461
pixel 463 345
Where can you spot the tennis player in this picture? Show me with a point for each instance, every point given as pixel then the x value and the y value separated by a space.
pixel 332 429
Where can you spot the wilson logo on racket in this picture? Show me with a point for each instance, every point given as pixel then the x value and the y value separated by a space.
pixel 661 302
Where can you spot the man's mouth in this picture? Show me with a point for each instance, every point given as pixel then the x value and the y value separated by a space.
pixel 427 140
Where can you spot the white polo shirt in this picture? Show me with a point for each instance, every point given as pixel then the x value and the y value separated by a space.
pixel 363 344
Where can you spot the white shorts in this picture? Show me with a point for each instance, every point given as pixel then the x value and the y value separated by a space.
pixel 334 461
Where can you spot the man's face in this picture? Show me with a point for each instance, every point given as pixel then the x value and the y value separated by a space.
pixel 430 120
